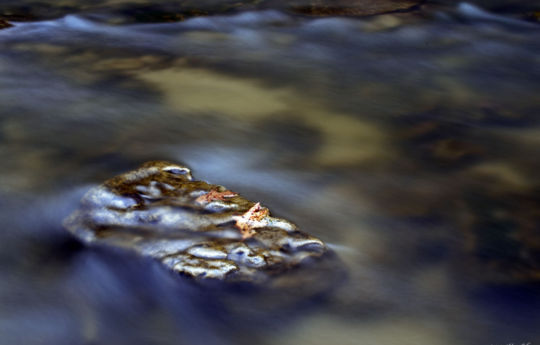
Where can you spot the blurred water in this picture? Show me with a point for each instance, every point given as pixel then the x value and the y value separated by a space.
pixel 411 147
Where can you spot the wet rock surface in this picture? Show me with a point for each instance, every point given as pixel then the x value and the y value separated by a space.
pixel 192 227
pixel 4 24
pixel 172 11
pixel 344 7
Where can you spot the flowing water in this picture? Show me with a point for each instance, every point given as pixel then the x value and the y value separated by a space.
pixel 409 142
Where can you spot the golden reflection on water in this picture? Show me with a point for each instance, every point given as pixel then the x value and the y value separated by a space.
pixel 347 140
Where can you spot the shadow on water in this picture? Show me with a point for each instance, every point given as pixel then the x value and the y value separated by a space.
pixel 113 297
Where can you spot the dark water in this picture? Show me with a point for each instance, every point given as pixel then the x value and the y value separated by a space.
pixel 408 141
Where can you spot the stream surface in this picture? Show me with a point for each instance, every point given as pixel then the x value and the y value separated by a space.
pixel 410 142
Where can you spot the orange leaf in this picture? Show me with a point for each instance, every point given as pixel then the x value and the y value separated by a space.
pixel 214 195
pixel 255 217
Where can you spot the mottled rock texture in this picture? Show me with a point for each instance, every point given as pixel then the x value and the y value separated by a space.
pixel 192 227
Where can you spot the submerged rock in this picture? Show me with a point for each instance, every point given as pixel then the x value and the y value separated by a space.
pixel 194 228
pixel 500 228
